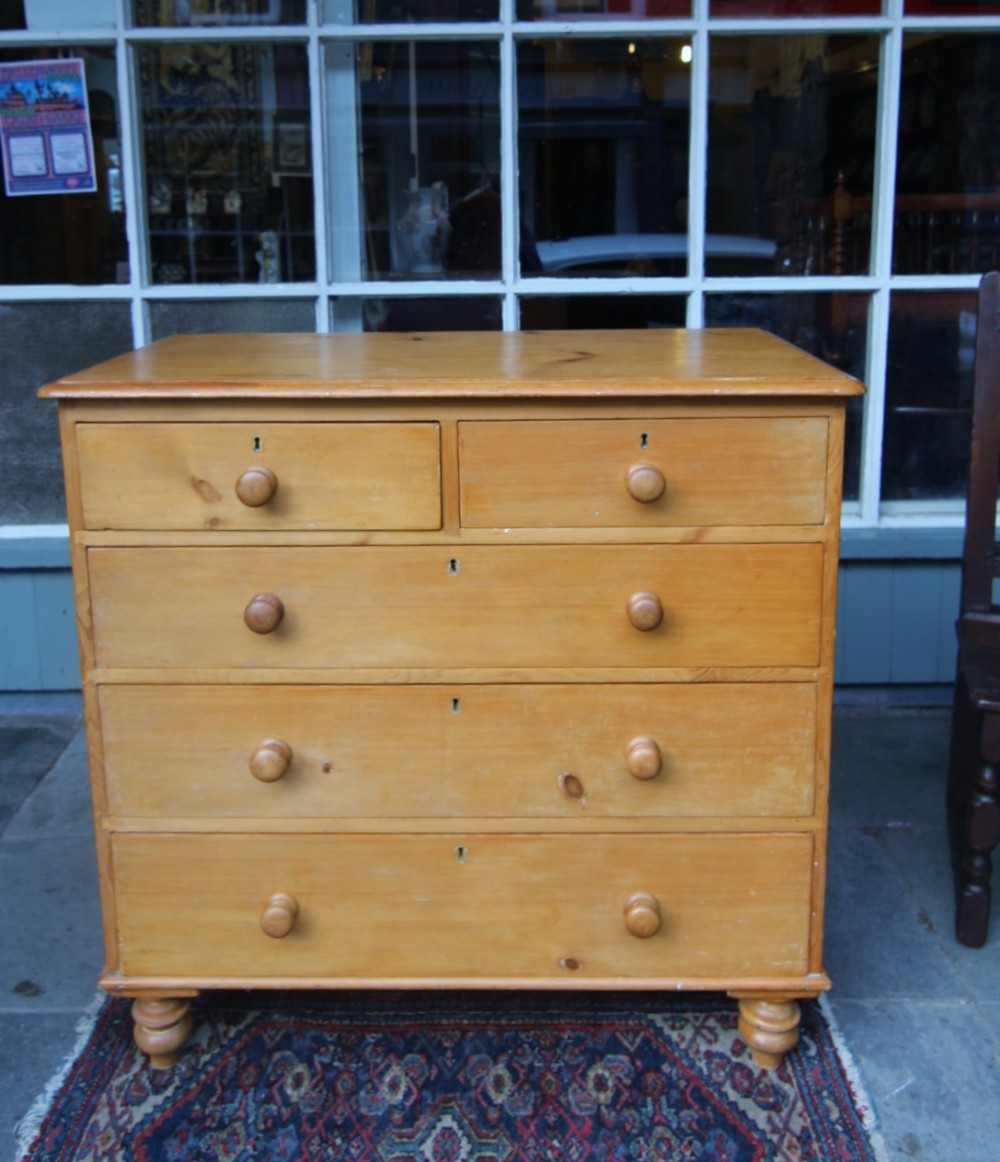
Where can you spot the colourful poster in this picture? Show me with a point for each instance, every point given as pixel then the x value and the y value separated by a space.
pixel 45 128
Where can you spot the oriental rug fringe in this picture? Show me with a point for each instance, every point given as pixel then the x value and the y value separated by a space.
pixel 446 1077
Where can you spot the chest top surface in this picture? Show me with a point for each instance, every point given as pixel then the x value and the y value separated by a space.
pixel 530 365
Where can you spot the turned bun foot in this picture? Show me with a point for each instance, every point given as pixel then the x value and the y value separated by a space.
pixel 770 1028
pixel 162 1027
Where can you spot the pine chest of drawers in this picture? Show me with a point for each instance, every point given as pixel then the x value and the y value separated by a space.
pixel 482 660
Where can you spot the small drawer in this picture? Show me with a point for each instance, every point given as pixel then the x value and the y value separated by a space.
pixel 479 606
pixel 478 907
pixel 639 473
pixel 384 752
pixel 289 476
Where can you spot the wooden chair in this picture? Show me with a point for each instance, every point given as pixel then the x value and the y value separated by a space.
pixel 974 765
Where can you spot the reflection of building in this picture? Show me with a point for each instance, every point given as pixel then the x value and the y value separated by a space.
pixel 834 182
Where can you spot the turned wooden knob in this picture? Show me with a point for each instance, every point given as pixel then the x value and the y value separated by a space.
pixel 643 758
pixel 264 613
pixel 270 760
pixel 279 915
pixel 642 915
pixel 645 611
pixel 645 483
pixel 256 486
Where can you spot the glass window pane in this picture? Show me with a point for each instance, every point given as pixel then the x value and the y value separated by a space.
pixel 72 238
pixel 229 316
pixel 788 116
pixel 723 8
pixel 430 161
pixel 211 13
pixel 925 453
pixel 947 216
pixel 592 312
pixel 601 9
pixel 409 11
pixel 833 327
pixel 603 132
pixel 425 313
pixel 952 7
pixel 41 342
pixel 229 189
pixel 57 15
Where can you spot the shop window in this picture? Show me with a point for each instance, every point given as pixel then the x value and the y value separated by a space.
pixel 71 237
pixel 429 128
pixel 947 206
pixel 601 9
pixel 239 316
pixel 588 312
pixel 42 341
pixel 418 313
pixel 791 122
pixel 209 13
pixel 603 137
pixel 228 162
pixel 928 395
pixel 761 8
pixel 410 11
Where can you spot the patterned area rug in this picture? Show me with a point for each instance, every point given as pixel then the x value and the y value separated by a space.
pixel 453 1078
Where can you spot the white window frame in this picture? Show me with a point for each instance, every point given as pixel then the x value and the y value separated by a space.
pixel 335 184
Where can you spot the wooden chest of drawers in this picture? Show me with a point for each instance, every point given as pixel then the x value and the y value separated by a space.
pixel 459 660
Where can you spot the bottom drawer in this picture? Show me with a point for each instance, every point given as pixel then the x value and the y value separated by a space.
pixel 478 907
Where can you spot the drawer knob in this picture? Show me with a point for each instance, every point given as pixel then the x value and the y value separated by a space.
pixel 642 915
pixel 645 611
pixel 256 486
pixel 645 483
pixel 270 761
pixel 643 758
pixel 279 915
pixel 264 613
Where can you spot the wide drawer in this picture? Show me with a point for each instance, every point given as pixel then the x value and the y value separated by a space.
pixel 510 606
pixel 385 752
pixel 473 907
pixel 324 475
pixel 578 474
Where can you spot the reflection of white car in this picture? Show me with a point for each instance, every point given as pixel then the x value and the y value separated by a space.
pixel 621 249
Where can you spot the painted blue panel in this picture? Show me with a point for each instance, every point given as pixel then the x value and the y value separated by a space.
pixel 19 659
pixel 23 551
pixel 864 637
pixel 915 612
pixel 951 584
pixel 59 657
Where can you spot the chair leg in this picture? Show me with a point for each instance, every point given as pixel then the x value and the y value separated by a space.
pixel 974 814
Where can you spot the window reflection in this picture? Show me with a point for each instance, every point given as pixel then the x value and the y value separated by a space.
pixel 601 9
pixel 594 312
pixel 954 7
pixel 833 327
pixel 603 137
pixel 42 342
pixel 241 316
pixel 932 339
pixel 228 162
pixel 410 11
pixel 791 122
pixel 202 13
pixel 424 313
pixel 72 238
pixel 947 217
pixel 430 152
pixel 744 8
